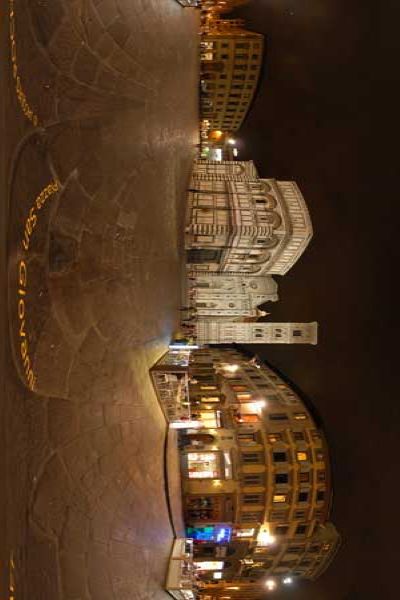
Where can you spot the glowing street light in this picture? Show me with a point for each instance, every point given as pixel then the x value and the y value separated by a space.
pixel 287 580
pixel 260 404
pixel 230 368
pixel 264 538
pixel 231 141
pixel 271 585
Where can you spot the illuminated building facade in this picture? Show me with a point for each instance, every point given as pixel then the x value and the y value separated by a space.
pixel 218 296
pixel 230 332
pixel 239 223
pixel 231 58
pixel 222 6
pixel 256 479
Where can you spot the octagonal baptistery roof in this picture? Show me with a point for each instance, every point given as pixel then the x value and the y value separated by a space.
pixel 266 481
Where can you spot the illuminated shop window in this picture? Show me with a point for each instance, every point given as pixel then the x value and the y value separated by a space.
pixel 204 465
pixel 302 456
pixel 217 575
pixel 247 418
pixel 211 419
pixel 279 498
pixel 208 565
pixel 300 416
pixel 243 397
pixel 244 533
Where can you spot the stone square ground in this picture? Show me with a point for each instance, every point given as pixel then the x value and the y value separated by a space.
pixel 99 132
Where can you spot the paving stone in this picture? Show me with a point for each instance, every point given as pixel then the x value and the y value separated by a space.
pixel 51 497
pixel 62 421
pixel 86 65
pixel 112 135
pixel 46 19
pixel 71 207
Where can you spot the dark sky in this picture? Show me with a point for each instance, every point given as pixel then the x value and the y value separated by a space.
pixel 325 116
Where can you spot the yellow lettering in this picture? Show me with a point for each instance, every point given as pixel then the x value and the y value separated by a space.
pixel 27 364
pixel 21 329
pixel 22 273
pixel 13 51
pixel 31 379
pixel 21 308
pixel 24 349
pixel 33 217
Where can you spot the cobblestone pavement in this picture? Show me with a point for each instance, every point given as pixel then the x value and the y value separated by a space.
pixel 101 127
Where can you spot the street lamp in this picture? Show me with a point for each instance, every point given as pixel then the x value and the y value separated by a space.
pixel 271 585
pixel 287 580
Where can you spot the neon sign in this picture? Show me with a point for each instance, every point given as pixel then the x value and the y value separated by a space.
pixel 220 534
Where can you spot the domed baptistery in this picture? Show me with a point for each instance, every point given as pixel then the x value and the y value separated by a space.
pixel 256 478
pixel 239 223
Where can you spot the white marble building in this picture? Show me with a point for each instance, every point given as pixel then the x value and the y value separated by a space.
pixel 230 296
pixel 239 223
pixel 225 332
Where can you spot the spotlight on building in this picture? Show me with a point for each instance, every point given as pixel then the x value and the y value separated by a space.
pixel 264 538
pixel 260 404
pixel 230 368
pixel 271 585
pixel 287 580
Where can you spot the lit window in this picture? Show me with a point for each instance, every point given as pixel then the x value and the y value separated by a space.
pixel 203 465
pixel 245 532
pixel 243 397
pixel 208 387
pixel 300 416
pixel 301 456
pixel 210 419
pixel 279 498
pixel 274 437
pixel 209 565
pixel 210 399
pixel 217 575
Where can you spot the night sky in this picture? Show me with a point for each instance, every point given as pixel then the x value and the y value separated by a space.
pixel 324 116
